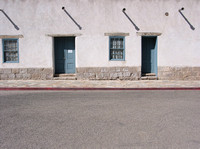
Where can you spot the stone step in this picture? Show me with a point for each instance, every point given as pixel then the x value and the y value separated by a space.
pixel 149 78
pixel 149 74
pixel 64 78
pixel 65 75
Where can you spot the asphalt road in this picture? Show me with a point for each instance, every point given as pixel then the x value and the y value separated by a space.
pixel 100 119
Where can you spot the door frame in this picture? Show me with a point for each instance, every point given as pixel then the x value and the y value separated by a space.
pixel 155 54
pixel 53 52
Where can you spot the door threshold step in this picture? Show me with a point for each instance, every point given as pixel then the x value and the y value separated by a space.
pixel 148 74
pixel 64 78
pixel 149 78
pixel 65 75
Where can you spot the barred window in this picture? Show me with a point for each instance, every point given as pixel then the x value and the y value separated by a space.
pixel 10 50
pixel 117 48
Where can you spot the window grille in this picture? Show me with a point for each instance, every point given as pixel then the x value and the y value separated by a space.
pixel 10 50
pixel 117 48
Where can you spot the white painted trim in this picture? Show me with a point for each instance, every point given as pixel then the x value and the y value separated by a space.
pixel 63 35
pixel 116 34
pixel 148 34
pixel 11 36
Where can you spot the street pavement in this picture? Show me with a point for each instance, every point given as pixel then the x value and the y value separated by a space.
pixel 100 119
pixel 99 84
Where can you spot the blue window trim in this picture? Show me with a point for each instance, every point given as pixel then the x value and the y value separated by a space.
pixel 110 37
pixel 6 39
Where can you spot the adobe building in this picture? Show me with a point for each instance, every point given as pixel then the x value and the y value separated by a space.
pixel 100 39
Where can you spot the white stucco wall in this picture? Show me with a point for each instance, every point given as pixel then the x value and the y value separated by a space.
pixel 177 46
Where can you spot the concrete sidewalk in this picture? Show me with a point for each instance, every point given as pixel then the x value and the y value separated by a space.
pixel 9 84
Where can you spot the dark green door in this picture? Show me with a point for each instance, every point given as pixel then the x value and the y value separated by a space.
pixel 64 54
pixel 149 55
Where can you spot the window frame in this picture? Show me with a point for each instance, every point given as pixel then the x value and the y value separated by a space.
pixel 111 37
pixel 3 50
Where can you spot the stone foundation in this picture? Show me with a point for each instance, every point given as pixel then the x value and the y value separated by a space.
pixel 108 73
pixel 134 73
pixel 101 73
pixel 26 73
pixel 179 73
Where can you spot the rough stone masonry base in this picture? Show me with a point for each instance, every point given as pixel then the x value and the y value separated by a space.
pixel 26 73
pixel 179 73
pixel 101 73
pixel 109 73
pixel 134 73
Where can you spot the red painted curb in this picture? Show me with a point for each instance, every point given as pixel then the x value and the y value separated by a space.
pixel 69 89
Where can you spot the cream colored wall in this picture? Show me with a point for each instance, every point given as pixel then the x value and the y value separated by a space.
pixel 177 46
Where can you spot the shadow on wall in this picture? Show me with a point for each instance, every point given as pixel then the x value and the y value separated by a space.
pixel 191 26
pixel 137 28
pixel 16 27
pixel 71 18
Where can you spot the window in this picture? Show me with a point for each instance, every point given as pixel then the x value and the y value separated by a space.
pixel 117 48
pixel 10 51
